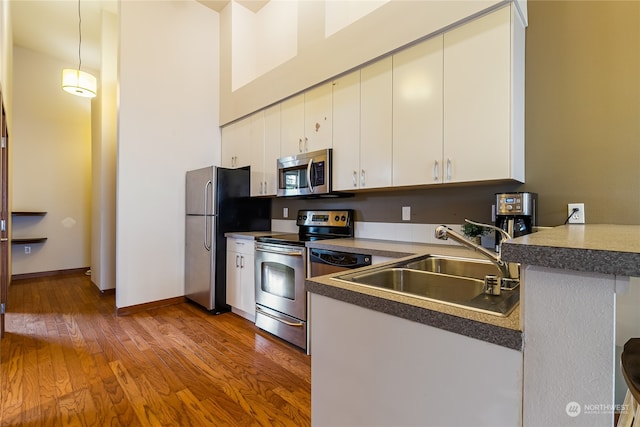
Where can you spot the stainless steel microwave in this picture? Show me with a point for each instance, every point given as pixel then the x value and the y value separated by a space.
pixel 305 174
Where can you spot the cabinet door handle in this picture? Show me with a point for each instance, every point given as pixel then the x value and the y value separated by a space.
pixel 300 145
pixel 237 263
pixel 436 169
pixel 306 144
pixel 241 261
pixel 355 178
pixel 362 180
pixel 448 169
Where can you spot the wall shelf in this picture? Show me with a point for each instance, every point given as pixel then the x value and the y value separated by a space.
pixel 28 213
pixel 28 240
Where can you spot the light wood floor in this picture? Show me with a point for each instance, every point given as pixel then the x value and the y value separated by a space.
pixel 66 359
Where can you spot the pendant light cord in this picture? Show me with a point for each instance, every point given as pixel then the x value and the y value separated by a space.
pixel 79 37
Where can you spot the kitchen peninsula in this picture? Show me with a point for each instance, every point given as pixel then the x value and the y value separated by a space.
pixel 571 275
pixel 389 369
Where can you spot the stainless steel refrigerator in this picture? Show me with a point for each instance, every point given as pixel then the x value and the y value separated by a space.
pixel 217 202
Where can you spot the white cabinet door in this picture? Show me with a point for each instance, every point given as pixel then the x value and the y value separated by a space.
pixel 233 278
pixel 318 120
pixel 292 126
pixel 271 149
pixel 240 276
pixel 346 132
pixel 477 99
pixel 247 282
pixel 307 121
pixel 376 115
pixel 257 152
pixel 236 143
pixel 417 114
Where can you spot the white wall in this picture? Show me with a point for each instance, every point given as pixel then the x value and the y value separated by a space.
pixel 51 166
pixel 167 124
pixel 103 160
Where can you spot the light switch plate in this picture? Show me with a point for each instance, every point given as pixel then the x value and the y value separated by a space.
pixel 285 212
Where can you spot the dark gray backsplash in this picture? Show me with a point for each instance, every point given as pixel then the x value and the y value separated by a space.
pixel 442 204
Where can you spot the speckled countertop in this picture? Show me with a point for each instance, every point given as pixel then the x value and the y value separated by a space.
pixel 596 248
pixel 504 331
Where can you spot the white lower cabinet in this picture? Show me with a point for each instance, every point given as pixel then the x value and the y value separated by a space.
pixel 371 368
pixel 241 293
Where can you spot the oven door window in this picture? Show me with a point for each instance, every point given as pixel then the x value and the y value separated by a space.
pixel 279 280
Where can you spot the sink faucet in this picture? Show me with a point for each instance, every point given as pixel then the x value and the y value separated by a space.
pixel 443 233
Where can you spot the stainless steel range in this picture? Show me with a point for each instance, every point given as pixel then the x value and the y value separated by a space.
pixel 281 269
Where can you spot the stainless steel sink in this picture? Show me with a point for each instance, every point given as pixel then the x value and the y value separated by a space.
pixel 422 283
pixel 447 280
pixel 463 267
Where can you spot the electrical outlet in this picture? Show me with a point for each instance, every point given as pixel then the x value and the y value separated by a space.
pixel 27 249
pixel 406 213
pixel 578 216
pixel 285 212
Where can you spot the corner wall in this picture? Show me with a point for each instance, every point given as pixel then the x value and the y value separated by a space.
pixel 167 124
pixel 103 158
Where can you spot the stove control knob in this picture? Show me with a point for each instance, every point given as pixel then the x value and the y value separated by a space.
pixel 337 218
pixel 343 218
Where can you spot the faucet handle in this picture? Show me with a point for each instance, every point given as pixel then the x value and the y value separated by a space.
pixel 491 284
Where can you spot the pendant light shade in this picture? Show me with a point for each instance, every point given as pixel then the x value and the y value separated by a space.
pixel 79 83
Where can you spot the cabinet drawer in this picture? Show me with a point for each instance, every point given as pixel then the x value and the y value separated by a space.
pixel 243 246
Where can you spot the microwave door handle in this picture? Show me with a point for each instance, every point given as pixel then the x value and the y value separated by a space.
pixel 309 183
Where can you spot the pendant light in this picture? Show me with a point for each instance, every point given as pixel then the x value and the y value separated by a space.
pixel 78 82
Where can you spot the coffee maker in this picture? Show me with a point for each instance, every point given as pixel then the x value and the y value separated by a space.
pixel 515 213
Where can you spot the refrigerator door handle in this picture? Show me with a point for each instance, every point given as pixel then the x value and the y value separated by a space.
pixel 207 231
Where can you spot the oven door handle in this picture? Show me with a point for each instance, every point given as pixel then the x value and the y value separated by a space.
pixel 289 253
pixel 296 324
pixel 309 183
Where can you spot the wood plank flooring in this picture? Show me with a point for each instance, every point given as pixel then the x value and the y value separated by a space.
pixel 67 360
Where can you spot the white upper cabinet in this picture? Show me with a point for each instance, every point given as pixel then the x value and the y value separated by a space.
pixel 271 149
pixel 376 121
pixel 307 121
pixel 362 134
pixel 292 126
pixel 417 114
pixel 346 132
pixel 236 143
pixel 318 118
pixel 265 150
pixel 484 99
